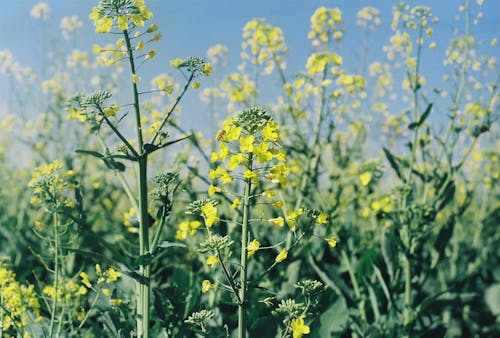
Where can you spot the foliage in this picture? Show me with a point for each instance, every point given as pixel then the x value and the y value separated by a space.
pixel 332 204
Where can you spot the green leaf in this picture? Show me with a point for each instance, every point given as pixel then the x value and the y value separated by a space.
pixel 334 320
pixel 115 165
pixel 137 276
pixel 144 260
pixel 166 244
pixel 393 162
pixel 444 236
pixel 364 268
pixel 492 298
pixel 422 118
pixel 389 252
pixel 89 152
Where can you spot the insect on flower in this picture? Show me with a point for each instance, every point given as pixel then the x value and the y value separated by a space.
pixel 221 134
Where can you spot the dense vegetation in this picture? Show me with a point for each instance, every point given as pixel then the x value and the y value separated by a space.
pixel 329 203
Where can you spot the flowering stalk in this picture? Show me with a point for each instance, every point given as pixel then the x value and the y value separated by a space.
pixel 242 315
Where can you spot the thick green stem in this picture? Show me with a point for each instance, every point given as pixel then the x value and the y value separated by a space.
pixel 242 315
pixel 144 289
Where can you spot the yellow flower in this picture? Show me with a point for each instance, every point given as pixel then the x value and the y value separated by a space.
pixel 206 285
pixel 212 261
pixel 277 204
pixel 236 203
pixel 176 63
pixel 299 328
pixel 365 178
pixel 262 152
pixel 103 25
pixel 106 292
pixel 112 110
pixel 221 155
pixel 281 256
pixel 233 133
pixel 196 85
pixel 268 193
pixel 113 275
pixel 270 132
pixel 246 143
pixel 213 189
pixel 250 174
pixel 252 247
pixel 322 218
pixel 210 214
pixel 135 78
pixel 235 161
pixel 85 279
pixel 279 221
pixel 122 23
pixel 150 54
pixel 116 302
pixel 206 69
pixel 332 241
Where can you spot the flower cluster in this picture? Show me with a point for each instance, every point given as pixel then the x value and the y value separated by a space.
pixel 120 14
pixel 325 25
pixel 103 282
pixel 125 16
pixel 51 186
pixel 17 302
pixel 264 44
pixel 252 136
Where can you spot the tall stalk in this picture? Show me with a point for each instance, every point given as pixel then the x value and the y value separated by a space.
pixel 143 289
pixel 56 276
pixel 242 315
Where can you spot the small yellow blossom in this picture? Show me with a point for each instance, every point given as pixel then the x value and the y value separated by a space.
pixel 103 25
pixel 236 203
pixel 365 178
pixel 135 78
pixel 281 256
pixel 279 221
pixel 322 218
pixel 209 212
pixel 213 189
pixel 176 63
pixel 299 328
pixel 212 261
pixel 85 279
pixel 113 275
pixel 122 23
pixel 246 143
pixel 206 285
pixel 332 241
pixel 252 247
pixel 150 54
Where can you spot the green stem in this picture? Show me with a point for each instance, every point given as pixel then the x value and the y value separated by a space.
pixel 242 315
pixel 143 290
pixel 56 277
pixel 137 110
pixel 355 286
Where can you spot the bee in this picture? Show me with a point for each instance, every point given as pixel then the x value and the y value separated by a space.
pixel 221 134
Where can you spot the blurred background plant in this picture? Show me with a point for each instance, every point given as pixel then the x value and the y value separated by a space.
pixel 400 173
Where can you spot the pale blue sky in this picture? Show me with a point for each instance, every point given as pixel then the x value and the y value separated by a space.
pixel 189 27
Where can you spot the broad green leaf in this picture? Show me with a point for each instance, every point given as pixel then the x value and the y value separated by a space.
pixel 334 320
pixel 492 298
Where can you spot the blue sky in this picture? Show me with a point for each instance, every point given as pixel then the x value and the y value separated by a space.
pixel 190 27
